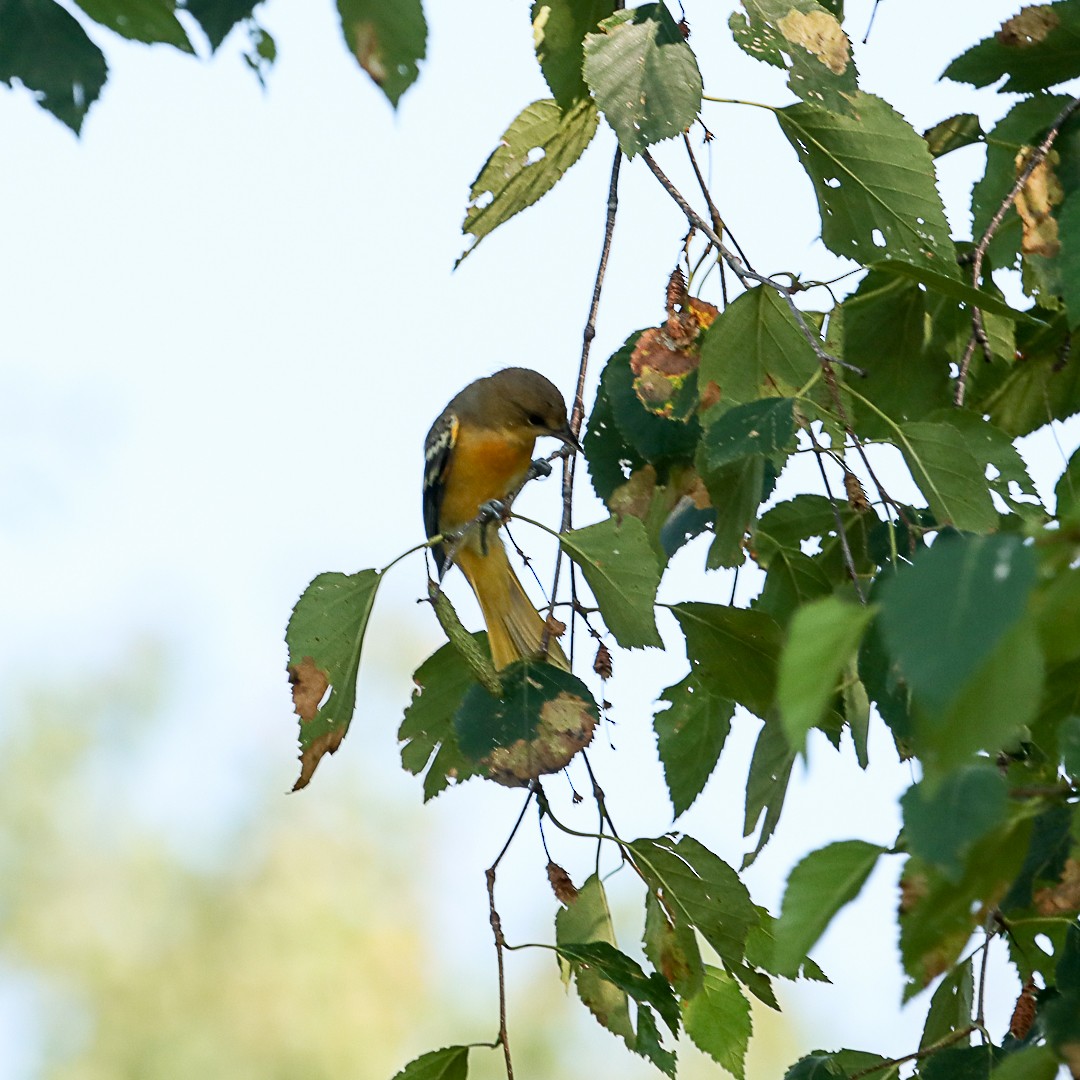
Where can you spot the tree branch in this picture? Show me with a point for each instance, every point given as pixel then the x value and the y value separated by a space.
pixel 577 413
pixel 978 332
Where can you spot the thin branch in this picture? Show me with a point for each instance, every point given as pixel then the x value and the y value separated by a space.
pixel 500 941
pixel 978 333
pixel 741 269
pixel 577 413
pixel 918 1055
pixel 841 532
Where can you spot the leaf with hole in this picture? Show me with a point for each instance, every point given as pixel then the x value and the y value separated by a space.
pixel 533 154
pixel 875 184
pixel 644 76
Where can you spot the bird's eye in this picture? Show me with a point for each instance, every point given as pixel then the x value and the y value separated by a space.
pixel 535 419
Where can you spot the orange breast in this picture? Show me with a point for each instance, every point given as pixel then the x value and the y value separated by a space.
pixel 484 465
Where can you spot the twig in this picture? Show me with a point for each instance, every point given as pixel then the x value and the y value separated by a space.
pixel 978 333
pixel 980 1010
pixel 918 1055
pixel 577 413
pixel 841 533
pixel 500 941
pixel 742 270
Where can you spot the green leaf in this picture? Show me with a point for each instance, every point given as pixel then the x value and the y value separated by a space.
pixel 733 652
pixel 1037 48
pixel 963 291
pixel 822 71
pixel 218 17
pixel 644 76
pixel 1067 490
pixel 699 889
pixel 736 491
pixel 822 639
pixel 538 701
pixel 793 579
pixel 617 968
pixel 622 572
pixel 1068 218
pixel 588 919
pixel 388 41
pixel 139 20
pixel 951 1006
pixel 943 820
pixel 766 784
pixel 884 334
pixel 261 52
pixel 991 447
pixel 46 49
pixel 324 637
pixel 841 1064
pixel 427 733
pixel 755 349
pixel 992 708
pixel 1030 1063
pixel 647 1043
pixel 943 616
pixel 819 886
pixel 691 726
pixel 958 131
pixel 1069 745
pixel 610 457
pixel 960 1063
pixel 559 29
pixel 938 915
pixel 948 475
pixel 717 1020
pixel 874 180
pixel 765 427
pixel 672 949
pixel 1040 387
pixel 533 154
pixel 450 1063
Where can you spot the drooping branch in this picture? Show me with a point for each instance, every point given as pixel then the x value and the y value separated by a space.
pixel 978 331
pixel 577 412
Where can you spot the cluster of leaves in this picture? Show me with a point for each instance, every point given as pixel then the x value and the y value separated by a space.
pixel 955 617
pixel 46 49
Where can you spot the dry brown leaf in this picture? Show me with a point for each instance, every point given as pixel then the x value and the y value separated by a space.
pixel 855 493
pixel 1064 896
pixel 1024 1013
pixel 602 663
pixel 1035 202
pixel 309 684
pixel 561 885
pixel 819 33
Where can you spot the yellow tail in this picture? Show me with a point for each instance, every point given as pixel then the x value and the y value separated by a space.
pixel 515 628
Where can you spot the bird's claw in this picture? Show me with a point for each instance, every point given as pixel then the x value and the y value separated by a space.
pixel 540 467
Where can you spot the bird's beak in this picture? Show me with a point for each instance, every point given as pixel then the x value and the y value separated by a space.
pixel 567 436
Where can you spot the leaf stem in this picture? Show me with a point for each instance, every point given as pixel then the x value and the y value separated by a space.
pixel 739 101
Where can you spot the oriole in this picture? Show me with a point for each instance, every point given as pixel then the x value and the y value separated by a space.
pixel 480 450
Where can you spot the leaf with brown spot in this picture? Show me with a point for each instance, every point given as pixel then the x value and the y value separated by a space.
pixel 324 637
pixel 388 41
pixel 1037 48
pixel 543 718
pixel 309 685
pixel 1064 897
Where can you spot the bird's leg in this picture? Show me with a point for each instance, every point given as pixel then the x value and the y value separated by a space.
pixel 494 510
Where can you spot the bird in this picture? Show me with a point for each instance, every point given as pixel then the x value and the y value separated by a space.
pixel 479 451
